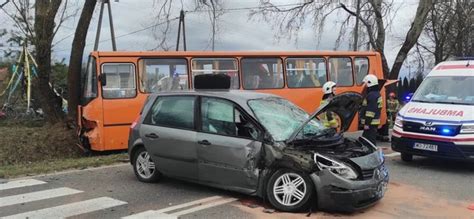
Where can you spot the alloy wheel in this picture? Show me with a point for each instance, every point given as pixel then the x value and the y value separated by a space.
pixel 289 189
pixel 144 165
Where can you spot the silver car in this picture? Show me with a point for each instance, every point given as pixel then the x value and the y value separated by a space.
pixel 258 144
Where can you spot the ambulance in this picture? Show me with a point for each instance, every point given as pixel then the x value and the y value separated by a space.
pixel 438 121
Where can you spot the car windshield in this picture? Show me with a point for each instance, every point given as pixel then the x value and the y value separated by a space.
pixel 446 89
pixel 281 118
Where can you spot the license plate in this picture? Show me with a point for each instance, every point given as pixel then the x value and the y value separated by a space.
pixel 426 147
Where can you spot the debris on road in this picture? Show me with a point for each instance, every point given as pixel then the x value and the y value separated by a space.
pixel 269 210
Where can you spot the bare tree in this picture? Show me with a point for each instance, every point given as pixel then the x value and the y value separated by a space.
pixel 449 31
pixel 38 23
pixel 375 16
pixel 75 60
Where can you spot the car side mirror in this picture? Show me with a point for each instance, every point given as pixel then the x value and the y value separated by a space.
pixel 103 80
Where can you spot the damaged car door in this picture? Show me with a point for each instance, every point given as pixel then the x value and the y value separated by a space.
pixel 228 146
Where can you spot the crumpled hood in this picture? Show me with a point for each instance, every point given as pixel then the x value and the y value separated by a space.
pixel 369 161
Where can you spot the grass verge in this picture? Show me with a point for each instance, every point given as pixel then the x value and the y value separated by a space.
pixel 41 167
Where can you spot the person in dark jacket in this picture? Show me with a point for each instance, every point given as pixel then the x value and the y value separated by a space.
pixel 371 108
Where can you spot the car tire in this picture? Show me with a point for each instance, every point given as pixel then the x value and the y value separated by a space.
pixel 407 157
pixel 289 190
pixel 144 167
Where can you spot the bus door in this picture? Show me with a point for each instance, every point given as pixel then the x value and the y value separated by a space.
pixel 121 102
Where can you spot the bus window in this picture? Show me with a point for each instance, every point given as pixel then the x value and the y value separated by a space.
pixel 226 66
pixel 361 69
pixel 163 75
pixel 340 71
pixel 305 72
pixel 262 73
pixel 120 79
pixel 90 82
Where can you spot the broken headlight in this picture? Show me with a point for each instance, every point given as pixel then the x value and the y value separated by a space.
pixel 334 166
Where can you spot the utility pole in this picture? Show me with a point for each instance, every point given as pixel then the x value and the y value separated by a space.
pixel 181 25
pixel 99 26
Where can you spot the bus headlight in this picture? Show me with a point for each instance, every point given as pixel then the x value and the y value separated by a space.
pixel 467 129
pixel 399 122
pixel 336 167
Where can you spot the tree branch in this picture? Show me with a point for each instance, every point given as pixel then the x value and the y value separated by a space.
pixel 366 24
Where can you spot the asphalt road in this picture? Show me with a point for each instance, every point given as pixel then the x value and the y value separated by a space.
pixel 423 188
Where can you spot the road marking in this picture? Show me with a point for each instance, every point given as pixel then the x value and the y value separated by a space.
pixel 20 183
pixel 392 154
pixel 71 209
pixel 36 196
pixel 202 207
pixel 160 213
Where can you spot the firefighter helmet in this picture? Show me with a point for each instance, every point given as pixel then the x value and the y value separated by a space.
pixel 328 87
pixel 371 80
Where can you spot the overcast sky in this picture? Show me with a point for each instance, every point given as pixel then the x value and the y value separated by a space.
pixel 236 30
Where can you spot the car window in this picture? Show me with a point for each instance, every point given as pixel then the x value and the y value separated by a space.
pixel 223 117
pixel 172 111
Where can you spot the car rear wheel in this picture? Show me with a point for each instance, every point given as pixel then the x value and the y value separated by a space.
pixel 144 167
pixel 289 190
pixel 407 157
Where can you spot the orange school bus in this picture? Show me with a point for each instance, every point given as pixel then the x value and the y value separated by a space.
pixel 116 84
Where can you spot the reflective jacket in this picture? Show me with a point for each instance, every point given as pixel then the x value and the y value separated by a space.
pixel 328 118
pixel 371 108
pixel 392 105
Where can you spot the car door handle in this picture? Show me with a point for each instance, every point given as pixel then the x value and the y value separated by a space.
pixel 152 135
pixel 204 142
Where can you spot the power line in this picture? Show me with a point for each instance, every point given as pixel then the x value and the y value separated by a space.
pixel 130 33
pixel 247 8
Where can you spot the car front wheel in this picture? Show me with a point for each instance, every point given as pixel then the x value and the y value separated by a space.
pixel 144 167
pixel 289 190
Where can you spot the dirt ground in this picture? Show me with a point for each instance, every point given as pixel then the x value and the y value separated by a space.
pixel 400 201
pixel 22 144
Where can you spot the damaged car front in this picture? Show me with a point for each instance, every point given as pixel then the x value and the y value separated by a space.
pixel 346 174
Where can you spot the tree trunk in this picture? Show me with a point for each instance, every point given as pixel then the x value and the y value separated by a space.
pixel 380 38
pixel 412 36
pixel 356 28
pixel 75 60
pixel 45 13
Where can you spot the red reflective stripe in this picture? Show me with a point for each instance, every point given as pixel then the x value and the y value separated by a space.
pixel 445 67
pixel 432 138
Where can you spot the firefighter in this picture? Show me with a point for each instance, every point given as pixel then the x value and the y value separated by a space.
pixel 392 108
pixel 371 108
pixel 329 118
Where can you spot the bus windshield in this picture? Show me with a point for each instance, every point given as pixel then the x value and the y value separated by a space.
pixel 446 89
